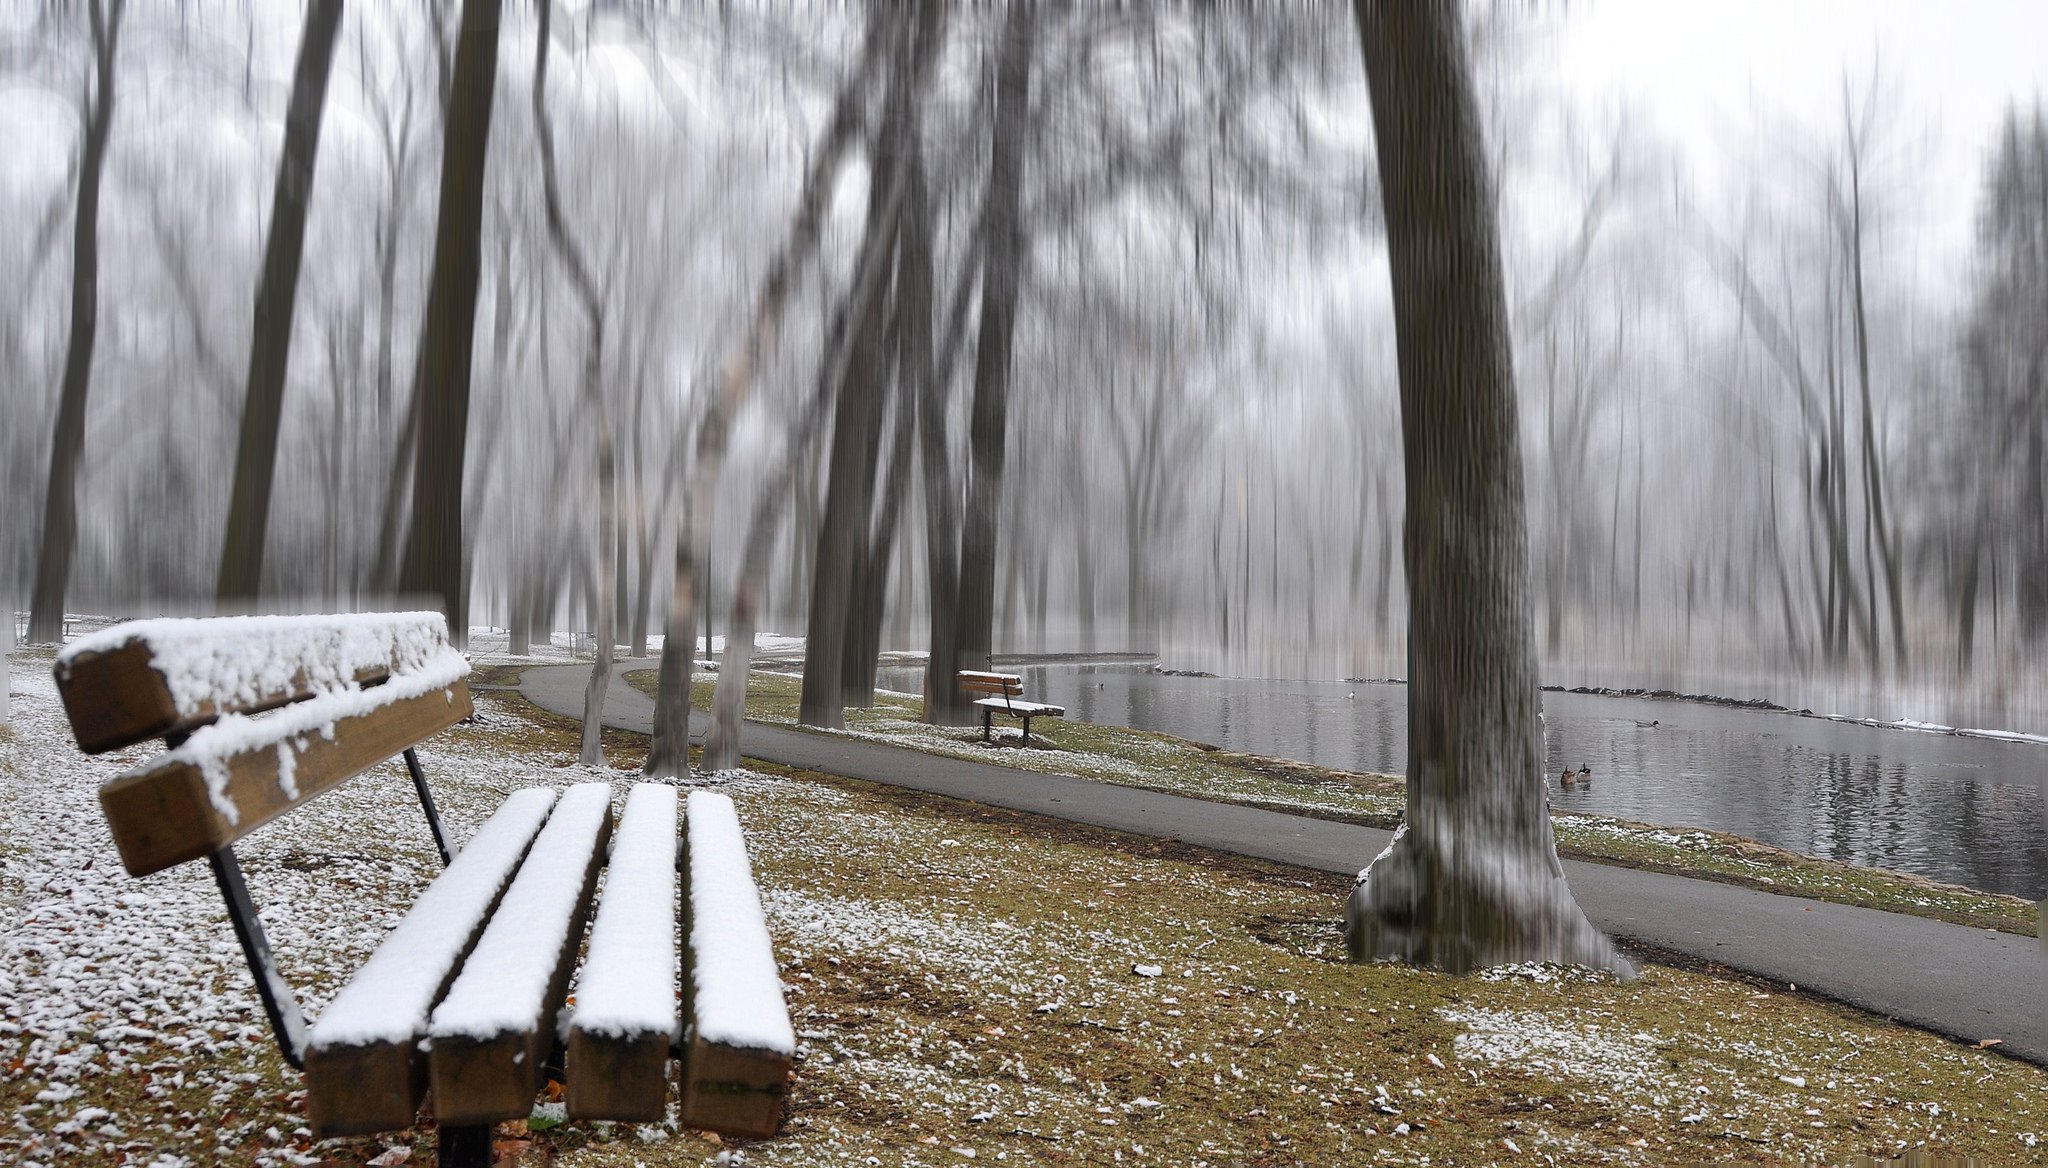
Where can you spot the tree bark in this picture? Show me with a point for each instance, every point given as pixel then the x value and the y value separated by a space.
pixel 1472 877
pixel 270 338
pixel 433 549
pixel 60 500
pixel 1003 241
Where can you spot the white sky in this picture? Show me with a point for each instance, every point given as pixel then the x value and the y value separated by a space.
pixel 1705 75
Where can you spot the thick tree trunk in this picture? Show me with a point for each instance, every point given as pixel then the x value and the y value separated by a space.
pixel 60 500
pixel 843 535
pixel 944 705
pixel 1472 878
pixel 838 569
pixel 433 549
pixel 270 339
pixel 1003 243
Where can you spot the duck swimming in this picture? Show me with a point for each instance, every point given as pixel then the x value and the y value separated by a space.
pixel 1569 778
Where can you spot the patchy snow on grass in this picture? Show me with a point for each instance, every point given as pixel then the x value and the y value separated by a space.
pixel 1557 1043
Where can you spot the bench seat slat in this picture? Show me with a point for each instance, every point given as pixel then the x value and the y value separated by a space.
pixel 490 1036
pixel 625 1019
pixel 741 1047
pixel 157 678
pixel 235 775
pixel 364 1070
pixel 1021 708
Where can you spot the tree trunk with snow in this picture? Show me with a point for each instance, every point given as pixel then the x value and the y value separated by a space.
pixel 270 338
pixel 1472 878
pixel 60 500
pixel 433 549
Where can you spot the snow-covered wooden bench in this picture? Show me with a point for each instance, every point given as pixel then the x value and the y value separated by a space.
pixel 465 994
pixel 1005 696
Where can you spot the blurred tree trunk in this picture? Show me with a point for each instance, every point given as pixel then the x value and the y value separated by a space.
pixel 270 338
pixel 669 755
pixel 60 500
pixel 1002 241
pixel 433 548
pixel 1472 878
pixel 844 533
pixel 864 639
pixel 943 702
pixel 597 411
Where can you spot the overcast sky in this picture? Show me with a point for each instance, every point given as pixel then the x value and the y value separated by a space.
pixel 1705 75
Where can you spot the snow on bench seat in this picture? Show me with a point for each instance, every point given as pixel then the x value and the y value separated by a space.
pixel 156 678
pixel 489 1037
pixel 236 774
pixel 625 1018
pixel 1021 708
pixel 740 1049
pixel 364 1070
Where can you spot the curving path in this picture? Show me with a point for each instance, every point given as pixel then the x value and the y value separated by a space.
pixel 1968 984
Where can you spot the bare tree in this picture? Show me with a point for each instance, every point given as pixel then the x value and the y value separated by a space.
pixel 270 339
pixel 1002 241
pixel 60 502
pixel 1472 878
pixel 669 754
pixel 433 551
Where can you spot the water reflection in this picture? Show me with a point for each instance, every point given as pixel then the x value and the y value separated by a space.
pixel 1965 810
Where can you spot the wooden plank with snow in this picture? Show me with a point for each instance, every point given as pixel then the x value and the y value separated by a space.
pixel 625 1019
pixel 490 1037
pixel 240 772
pixel 165 678
pixel 364 1070
pixel 740 1048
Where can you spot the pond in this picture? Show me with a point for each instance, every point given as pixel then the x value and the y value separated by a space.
pixel 1957 809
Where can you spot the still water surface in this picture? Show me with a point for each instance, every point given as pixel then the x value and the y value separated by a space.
pixel 1964 810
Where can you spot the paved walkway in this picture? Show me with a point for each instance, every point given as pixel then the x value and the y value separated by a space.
pixel 1969 984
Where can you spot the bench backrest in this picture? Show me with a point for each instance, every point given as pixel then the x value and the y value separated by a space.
pixel 343 693
pixel 1008 685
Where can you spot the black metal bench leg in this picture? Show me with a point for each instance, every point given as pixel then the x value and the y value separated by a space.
pixel 1027 733
pixel 278 1003
pixel 985 718
pixel 419 784
pixel 465 1145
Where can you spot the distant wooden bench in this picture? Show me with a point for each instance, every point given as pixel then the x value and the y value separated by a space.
pixel 1005 695
pixel 464 995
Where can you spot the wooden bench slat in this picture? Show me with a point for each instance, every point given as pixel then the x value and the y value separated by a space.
pixel 364 1069
pixel 233 776
pixel 159 678
pixel 625 1019
pixel 490 1037
pixel 741 1047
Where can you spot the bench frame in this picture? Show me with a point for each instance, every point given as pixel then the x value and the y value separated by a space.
pixel 87 704
pixel 1010 688
pixel 136 684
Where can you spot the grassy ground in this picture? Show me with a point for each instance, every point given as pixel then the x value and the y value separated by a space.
pixel 968 985
pixel 1165 763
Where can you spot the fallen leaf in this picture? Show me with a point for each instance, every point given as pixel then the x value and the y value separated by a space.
pixel 1988 1043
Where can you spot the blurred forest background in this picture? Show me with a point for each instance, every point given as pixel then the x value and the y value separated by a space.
pixel 1105 364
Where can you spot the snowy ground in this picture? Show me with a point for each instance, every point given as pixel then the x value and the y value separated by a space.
pixel 966 985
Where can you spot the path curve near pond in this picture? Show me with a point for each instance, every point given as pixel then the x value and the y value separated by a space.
pixel 1968 984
